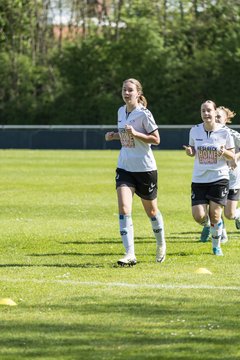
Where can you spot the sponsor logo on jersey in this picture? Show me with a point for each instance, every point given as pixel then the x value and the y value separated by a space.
pixel 207 154
pixel 126 139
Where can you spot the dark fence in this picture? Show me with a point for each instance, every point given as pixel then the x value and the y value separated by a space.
pixel 81 137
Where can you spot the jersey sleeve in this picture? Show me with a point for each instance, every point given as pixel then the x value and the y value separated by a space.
pixel 236 137
pixel 120 116
pixel 191 139
pixel 229 141
pixel 149 122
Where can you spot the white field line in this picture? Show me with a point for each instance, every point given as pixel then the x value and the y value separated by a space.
pixel 121 284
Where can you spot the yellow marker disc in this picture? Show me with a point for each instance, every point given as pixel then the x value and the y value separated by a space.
pixel 203 271
pixel 7 301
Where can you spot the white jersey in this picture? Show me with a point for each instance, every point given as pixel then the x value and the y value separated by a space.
pixel 136 155
pixel 208 166
pixel 234 175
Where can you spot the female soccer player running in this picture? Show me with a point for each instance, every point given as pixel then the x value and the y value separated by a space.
pixel 224 116
pixel 212 145
pixel 231 212
pixel 136 170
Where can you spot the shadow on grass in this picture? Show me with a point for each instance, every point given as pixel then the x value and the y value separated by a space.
pixel 96 327
pixel 186 233
pixel 234 233
pixel 194 237
pixel 178 240
pixel 91 242
pixel 76 254
pixel 137 239
pixel 181 237
pixel 85 265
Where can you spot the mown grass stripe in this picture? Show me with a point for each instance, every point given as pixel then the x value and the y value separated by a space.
pixel 122 284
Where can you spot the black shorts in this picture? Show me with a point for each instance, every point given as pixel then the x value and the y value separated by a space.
pixel 144 183
pixel 216 191
pixel 234 194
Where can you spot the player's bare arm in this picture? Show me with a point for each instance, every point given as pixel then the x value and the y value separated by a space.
pixel 233 163
pixel 228 154
pixel 237 157
pixel 153 138
pixel 111 135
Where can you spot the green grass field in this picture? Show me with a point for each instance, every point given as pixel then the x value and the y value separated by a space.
pixel 59 246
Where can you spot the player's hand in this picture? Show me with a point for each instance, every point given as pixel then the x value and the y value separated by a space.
pixel 130 130
pixel 189 150
pixel 109 136
pixel 221 151
pixel 232 164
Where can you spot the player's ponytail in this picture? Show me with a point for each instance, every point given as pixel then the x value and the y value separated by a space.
pixel 142 100
pixel 229 113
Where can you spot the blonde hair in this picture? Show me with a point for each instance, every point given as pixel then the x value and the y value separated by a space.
pixel 141 99
pixel 211 102
pixel 230 114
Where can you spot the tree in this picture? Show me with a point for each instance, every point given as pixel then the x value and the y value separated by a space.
pixel 71 71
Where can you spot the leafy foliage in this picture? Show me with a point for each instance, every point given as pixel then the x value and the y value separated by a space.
pixel 183 52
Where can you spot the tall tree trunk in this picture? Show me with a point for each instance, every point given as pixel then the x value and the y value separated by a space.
pixel 181 10
pixel 60 26
pixel 118 17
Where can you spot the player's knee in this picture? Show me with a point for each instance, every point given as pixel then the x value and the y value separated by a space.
pixel 152 213
pixel 199 218
pixel 229 214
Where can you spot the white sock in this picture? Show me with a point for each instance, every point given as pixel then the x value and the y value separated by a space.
pixel 158 229
pixel 216 232
pixel 237 213
pixel 126 232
